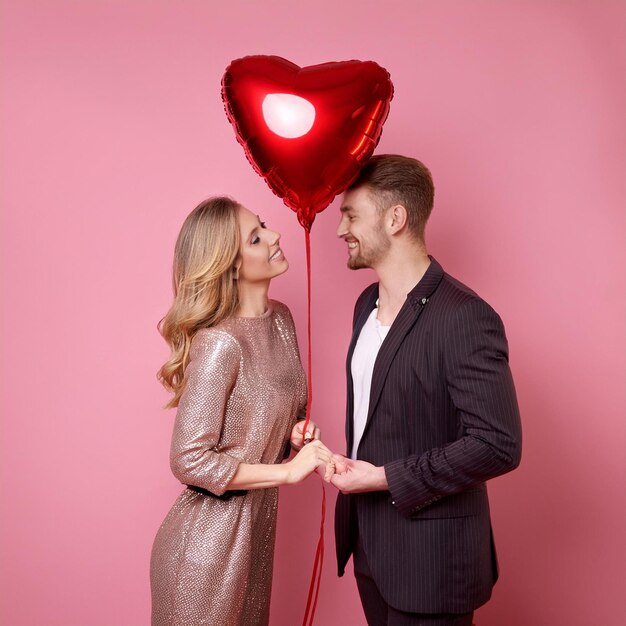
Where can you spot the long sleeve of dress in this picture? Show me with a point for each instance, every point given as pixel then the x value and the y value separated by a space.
pixel 210 377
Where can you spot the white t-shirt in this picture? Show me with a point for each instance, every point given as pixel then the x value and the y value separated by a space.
pixel 370 339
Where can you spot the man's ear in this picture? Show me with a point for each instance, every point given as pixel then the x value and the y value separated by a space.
pixel 397 218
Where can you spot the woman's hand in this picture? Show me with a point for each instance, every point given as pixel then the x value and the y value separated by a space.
pixel 329 471
pixel 314 456
pixel 313 433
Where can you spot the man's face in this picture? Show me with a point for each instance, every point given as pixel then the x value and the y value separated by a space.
pixel 362 227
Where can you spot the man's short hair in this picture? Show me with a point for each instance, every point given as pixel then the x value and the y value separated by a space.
pixel 395 179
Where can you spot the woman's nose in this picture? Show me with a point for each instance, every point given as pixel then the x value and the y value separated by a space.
pixel 274 237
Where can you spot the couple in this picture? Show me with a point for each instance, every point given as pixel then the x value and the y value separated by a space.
pixel 431 416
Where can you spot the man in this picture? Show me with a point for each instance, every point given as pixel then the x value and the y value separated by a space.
pixel 431 414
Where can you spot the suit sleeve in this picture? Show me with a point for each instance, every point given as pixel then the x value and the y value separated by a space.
pixel 209 378
pixel 480 385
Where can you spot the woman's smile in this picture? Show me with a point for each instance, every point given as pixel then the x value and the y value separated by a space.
pixel 278 255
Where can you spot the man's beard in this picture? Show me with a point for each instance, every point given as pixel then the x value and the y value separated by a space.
pixel 368 256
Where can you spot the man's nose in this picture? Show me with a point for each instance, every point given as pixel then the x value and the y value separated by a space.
pixel 341 228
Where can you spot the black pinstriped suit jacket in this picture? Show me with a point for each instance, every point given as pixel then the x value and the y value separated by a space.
pixel 443 419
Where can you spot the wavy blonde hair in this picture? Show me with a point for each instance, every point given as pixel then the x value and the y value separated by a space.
pixel 205 283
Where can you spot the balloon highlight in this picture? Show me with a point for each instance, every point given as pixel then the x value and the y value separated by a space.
pixel 287 115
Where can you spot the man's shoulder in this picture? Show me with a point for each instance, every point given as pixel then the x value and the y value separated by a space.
pixel 457 290
pixel 451 291
pixel 450 296
pixel 455 299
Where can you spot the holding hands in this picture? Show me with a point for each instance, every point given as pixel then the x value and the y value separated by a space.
pixel 313 457
pixel 347 475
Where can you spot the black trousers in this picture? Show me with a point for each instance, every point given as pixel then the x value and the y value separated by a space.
pixel 379 613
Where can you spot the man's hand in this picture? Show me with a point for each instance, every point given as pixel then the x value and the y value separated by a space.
pixel 313 433
pixel 357 476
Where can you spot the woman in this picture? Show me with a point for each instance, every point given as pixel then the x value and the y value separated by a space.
pixel 239 386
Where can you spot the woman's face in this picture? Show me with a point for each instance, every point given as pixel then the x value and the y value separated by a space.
pixel 261 256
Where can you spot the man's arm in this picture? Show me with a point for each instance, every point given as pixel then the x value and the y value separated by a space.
pixel 481 387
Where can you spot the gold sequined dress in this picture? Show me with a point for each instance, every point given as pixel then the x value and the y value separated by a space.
pixel 212 558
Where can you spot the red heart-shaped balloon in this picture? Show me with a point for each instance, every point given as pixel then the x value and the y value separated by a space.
pixel 308 130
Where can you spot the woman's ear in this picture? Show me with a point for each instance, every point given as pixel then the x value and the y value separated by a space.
pixel 236 267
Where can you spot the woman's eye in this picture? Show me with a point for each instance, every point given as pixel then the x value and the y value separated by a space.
pixel 263 225
pixel 256 240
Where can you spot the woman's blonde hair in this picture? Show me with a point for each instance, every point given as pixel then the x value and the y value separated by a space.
pixel 205 283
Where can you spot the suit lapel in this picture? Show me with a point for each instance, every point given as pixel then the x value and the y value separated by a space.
pixel 362 316
pixel 368 305
pixel 416 301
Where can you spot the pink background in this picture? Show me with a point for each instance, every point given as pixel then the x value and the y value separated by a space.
pixel 113 130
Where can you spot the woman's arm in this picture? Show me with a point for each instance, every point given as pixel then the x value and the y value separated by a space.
pixel 261 476
pixel 210 376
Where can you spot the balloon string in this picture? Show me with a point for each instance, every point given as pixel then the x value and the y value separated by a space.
pixel 309 401
pixel 316 577
pixel 314 587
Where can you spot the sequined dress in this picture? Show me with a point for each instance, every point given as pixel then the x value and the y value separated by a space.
pixel 212 558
